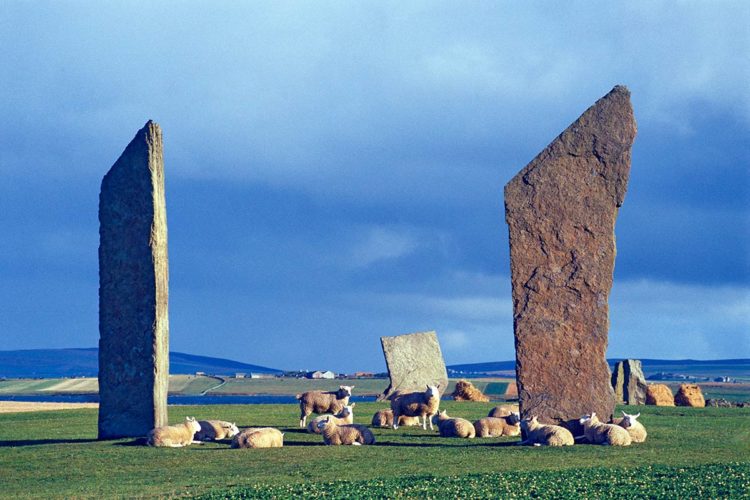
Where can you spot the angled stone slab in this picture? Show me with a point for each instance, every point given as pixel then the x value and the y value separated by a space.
pixel 629 383
pixel 561 210
pixel 133 291
pixel 413 361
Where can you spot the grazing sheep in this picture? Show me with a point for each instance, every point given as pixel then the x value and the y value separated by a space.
pixel 465 391
pixel 416 404
pixel 384 418
pixel 174 436
pixel 501 411
pixel 498 426
pixel 633 426
pixel 354 434
pixel 323 402
pixel 345 416
pixel 597 432
pixel 259 437
pixel 545 435
pixel 453 427
pixel 215 430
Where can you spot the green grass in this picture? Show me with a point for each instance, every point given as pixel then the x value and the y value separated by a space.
pixel 55 454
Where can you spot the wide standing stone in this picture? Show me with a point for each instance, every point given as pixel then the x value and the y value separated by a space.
pixel 414 361
pixel 561 211
pixel 133 291
pixel 629 383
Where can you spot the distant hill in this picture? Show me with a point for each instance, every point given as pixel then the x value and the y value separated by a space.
pixel 53 363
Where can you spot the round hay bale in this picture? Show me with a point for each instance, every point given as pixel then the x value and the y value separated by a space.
pixel 465 391
pixel 690 395
pixel 659 395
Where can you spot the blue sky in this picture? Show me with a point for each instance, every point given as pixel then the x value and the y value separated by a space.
pixel 334 170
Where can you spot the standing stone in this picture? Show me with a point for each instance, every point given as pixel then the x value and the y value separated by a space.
pixel 414 361
pixel 133 290
pixel 561 211
pixel 629 383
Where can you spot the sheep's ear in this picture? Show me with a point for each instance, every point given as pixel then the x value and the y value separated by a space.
pixel 353 405
pixel 636 415
pixel 593 414
pixel 623 413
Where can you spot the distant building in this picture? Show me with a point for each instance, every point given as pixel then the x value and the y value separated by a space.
pixel 326 374
pixel 363 375
pixel 262 375
pixel 200 374
pixel 239 375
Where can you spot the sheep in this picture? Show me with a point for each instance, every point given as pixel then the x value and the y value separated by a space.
pixel 346 416
pixel 498 426
pixel 502 411
pixel 259 437
pixel 416 404
pixel 636 429
pixel 543 434
pixel 354 434
pixel 596 432
pixel 323 402
pixel 215 430
pixel 453 427
pixel 384 418
pixel 174 436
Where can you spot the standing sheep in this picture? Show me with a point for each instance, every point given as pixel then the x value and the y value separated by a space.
pixel 453 427
pixel 597 432
pixel 354 434
pixel 416 404
pixel 174 436
pixel 323 402
pixel 498 426
pixel 630 423
pixel 259 437
pixel 345 416
pixel 384 418
pixel 216 430
pixel 545 435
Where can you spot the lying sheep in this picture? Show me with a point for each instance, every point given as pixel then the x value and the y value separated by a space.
pixel 501 411
pixel 384 418
pixel 323 402
pixel 354 434
pixel 259 437
pixel 174 436
pixel 545 435
pixel 216 430
pixel 633 426
pixel 453 427
pixel 416 404
pixel 498 426
pixel 345 416
pixel 596 432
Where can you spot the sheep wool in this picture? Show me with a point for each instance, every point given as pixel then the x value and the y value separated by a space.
pixel 215 430
pixel 416 404
pixel 597 432
pixel 544 434
pixel 502 411
pixel 498 426
pixel 346 416
pixel 630 423
pixel 384 418
pixel 174 436
pixel 454 427
pixel 259 437
pixel 323 402
pixel 350 434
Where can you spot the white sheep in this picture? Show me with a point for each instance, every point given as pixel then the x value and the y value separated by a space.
pixel 501 411
pixel 345 416
pixel 174 436
pixel 323 402
pixel 453 427
pixel 630 423
pixel 416 404
pixel 498 426
pixel 259 437
pixel 354 434
pixel 384 418
pixel 596 432
pixel 216 430
pixel 544 434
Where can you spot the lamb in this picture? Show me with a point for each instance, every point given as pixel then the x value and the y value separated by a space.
pixel 323 402
pixel 543 434
pixel 174 436
pixel 259 437
pixel 498 426
pixel 384 418
pixel 216 430
pixel 453 427
pixel 636 429
pixel 416 404
pixel 346 416
pixel 501 411
pixel 354 434
pixel 597 432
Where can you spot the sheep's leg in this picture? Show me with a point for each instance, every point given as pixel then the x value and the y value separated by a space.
pixel 356 443
pixel 198 442
pixel 431 428
pixel 302 420
pixel 395 420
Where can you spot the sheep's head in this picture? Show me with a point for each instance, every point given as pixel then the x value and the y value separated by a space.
pixel 443 415
pixel 345 391
pixel 348 410
pixel 527 422
pixel 231 429
pixel 432 391
pixel 588 419
pixel 514 418
pixel 192 424
pixel 323 423
pixel 629 420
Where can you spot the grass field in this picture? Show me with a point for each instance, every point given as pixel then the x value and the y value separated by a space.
pixel 690 453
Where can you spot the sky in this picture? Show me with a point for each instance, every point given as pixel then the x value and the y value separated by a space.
pixel 334 170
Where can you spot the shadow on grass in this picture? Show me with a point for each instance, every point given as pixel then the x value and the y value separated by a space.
pixel 36 442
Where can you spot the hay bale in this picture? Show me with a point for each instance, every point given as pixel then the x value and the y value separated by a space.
pixel 659 395
pixel 465 391
pixel 690 395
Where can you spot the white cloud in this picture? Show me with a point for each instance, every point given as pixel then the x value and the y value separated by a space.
pixel 383 243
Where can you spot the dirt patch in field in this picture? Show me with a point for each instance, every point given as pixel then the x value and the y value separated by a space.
pixel 21 406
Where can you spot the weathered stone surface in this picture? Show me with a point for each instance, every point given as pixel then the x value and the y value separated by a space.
pixel 133 291
pixel 413 361
pixel 561 211
pixel 629 383
pixel 689 395
pixel 659 395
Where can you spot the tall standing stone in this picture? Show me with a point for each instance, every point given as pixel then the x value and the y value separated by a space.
pixel 414 361
pixel 561 210
pixel 133 291
pixel 629 382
